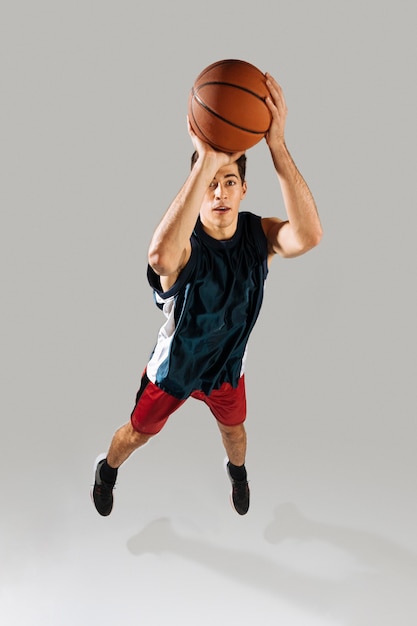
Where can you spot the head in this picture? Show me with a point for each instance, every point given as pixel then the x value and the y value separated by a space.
pixel 220 206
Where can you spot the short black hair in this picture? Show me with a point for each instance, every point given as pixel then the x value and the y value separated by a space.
pixel 241 164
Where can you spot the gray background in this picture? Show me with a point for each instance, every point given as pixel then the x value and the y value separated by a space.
pixel 93 149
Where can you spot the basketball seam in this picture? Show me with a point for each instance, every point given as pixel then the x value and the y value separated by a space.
pixel 224 119
pixel 207 139
pixel 223 82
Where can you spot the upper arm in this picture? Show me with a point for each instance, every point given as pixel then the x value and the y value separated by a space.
pixel 169 280
pixel 281 238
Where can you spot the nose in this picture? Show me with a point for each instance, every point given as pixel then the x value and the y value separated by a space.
pixel 220 191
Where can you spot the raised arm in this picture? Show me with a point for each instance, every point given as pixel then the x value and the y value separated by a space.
pixel 170 246
pixel 302 230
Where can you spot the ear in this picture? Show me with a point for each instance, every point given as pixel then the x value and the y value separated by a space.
pixel 244 190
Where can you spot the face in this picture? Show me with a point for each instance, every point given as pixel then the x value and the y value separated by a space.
pixel 220 207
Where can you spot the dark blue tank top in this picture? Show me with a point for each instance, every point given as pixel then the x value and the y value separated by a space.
pixel 217 299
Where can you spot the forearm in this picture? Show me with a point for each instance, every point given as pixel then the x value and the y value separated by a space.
pixel 299 203
pixel 303 229
pixel 171 238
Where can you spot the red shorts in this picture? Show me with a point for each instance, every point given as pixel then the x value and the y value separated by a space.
pixel 154 406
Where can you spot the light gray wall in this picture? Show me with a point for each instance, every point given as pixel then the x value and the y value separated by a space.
pixel 94 146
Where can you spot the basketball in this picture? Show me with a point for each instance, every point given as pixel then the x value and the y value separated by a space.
pixel 226 105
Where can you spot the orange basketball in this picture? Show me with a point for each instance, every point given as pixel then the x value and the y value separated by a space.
pixel 226 105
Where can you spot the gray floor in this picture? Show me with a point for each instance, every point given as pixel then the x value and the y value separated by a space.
pixel 94 147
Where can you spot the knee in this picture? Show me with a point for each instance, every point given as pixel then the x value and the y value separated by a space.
pixel 140 438
pixel 136 438
pixel 233 433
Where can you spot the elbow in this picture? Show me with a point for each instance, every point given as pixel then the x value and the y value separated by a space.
pixel 157 262
pixel 162 262
pixel 313 237
pixel 155 258
pixel 308 242
pixel 311 243
pixel 167 260
pixel 316 237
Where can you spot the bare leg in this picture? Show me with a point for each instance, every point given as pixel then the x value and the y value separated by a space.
pixel 234 441
pixel 125 441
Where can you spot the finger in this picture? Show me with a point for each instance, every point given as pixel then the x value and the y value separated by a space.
pixel 274 88
pixel 194 138
pixel 271 80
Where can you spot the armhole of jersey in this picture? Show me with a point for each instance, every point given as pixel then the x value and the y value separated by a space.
pixel 260 240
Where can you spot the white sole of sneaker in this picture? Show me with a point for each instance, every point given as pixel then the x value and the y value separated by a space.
pixel 225 462
pixel 97 461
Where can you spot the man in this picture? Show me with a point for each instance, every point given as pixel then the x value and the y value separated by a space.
pixel 207 267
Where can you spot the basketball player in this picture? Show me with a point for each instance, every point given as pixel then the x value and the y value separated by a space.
pixel 207 267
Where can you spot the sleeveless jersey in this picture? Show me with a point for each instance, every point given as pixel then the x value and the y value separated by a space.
pixel 210 310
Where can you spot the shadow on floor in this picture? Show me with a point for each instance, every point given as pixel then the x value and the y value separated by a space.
pixel 380 591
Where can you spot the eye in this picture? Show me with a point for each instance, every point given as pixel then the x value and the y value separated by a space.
pixel 213 184
pixel 230 183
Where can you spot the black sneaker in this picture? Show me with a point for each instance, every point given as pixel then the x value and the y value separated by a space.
pixel 240 492
pixel 102 493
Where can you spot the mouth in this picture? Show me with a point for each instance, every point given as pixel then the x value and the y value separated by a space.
pixel 221 209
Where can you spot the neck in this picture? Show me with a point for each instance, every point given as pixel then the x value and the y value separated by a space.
pixel 219 231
